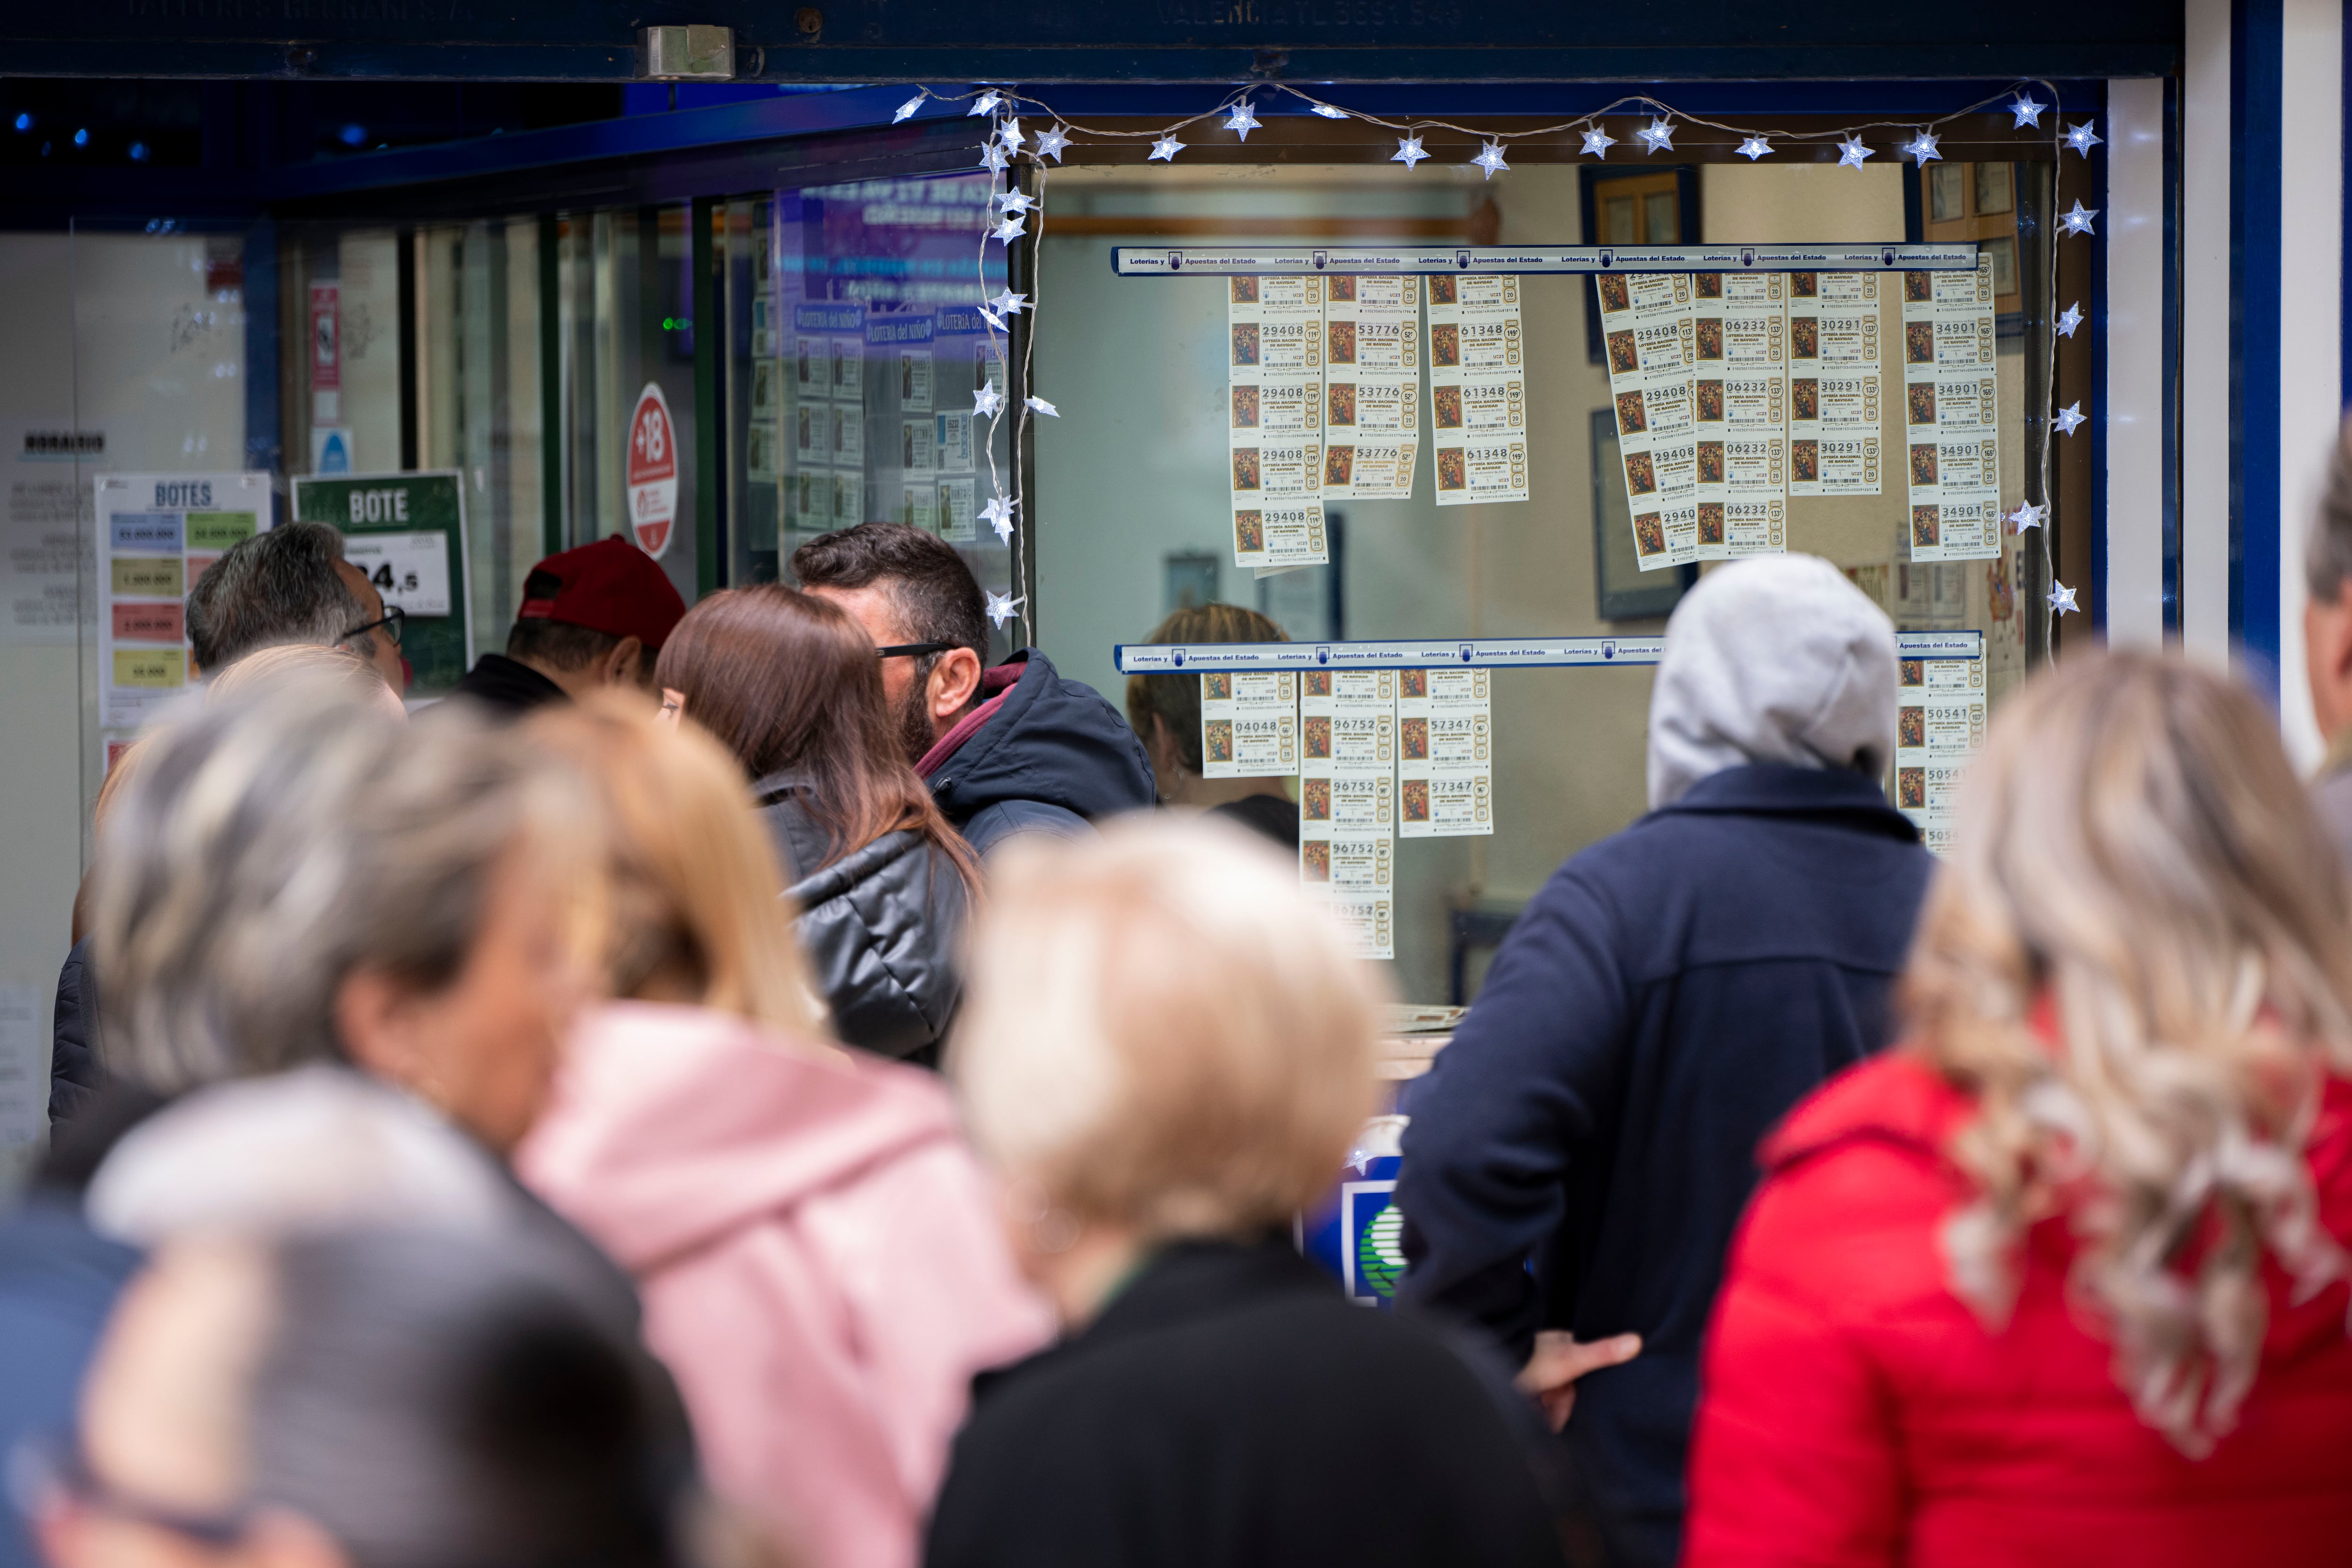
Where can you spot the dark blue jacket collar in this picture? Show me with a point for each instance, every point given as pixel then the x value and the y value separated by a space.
pixel 1778 789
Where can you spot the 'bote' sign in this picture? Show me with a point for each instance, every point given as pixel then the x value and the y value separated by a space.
pixel 652 471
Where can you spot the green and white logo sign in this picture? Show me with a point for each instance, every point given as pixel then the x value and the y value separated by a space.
pixel 407 533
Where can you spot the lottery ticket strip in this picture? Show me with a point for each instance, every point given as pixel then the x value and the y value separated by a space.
pixel 1395 739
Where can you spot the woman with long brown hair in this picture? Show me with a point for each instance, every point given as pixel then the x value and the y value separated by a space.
pixel 790 685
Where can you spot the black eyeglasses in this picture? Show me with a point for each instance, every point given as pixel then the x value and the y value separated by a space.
pixel 395 619
pixel 912 649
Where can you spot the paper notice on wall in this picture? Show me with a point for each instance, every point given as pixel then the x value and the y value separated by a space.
pixel 1940 724
pixel 1371 403
pixel 1950 426
pixel 1834 383
pixel 157 534
pixel 1249 724
pixel 958 512
pixel 1275 420
pixel 1739 401
pixel 914 380
pixel 48 467
pixel 1446 754
pixel 1650 336
pixel 1347 815
pixel 811 492
pixel 1478 389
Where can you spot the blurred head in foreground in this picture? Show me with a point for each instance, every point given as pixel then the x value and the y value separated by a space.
pixel 1163 1038
pixel 295 876
pixel 368 1400
pixel 692 913
pixel 2140 962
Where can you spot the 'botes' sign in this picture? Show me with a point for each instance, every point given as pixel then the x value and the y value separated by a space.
pixel 652 471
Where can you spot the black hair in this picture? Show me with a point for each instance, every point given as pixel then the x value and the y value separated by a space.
pixel 937 597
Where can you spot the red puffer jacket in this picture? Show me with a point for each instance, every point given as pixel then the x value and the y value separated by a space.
pixel 1854 1411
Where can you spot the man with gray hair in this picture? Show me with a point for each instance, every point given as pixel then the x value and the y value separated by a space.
pixel 290 584
pixel 2327 641
pixel 1578 1156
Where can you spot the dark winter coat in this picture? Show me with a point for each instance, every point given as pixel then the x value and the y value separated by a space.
pixel 74 1073
pixel 508 688
pixel 1231 1407
pixel 1665 999
pixel 880 925
pixel 1041 754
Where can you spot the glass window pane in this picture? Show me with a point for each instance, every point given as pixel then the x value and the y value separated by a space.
pixel 1617 227
pixel 1993 189
pixel 1946 197
pixel 1663 218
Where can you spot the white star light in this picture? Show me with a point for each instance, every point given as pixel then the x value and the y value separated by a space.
pixel 996 321
pixel 1755 147
pixel 998 515
pixel 1850 153
pixel 992 158
pixel 1408 151
pixel 1597 141
pixel 1008 303
pixel 985 401
pixel 1921 149
pixel 2070 321
pixel 2028 113
pixel 1243 120
pixel 1328 112
pixel 1656 134
pixel 1008 131
pixel 2028 515
pixel 906 110
pixel 2066 419
pixel 1490 158
pixel 2082 138
pixel 984 104
pixel 1038 405
pixel 1010 229
pixel 2076 219
pixel 1014 201
pixel 2062 600
pixel 1051 142
pixel 1003 607
pixel 1164 151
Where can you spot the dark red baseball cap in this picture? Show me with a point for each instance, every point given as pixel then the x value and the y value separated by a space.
pixel 610 587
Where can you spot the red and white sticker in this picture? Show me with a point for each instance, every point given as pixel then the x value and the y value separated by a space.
pixel 652 471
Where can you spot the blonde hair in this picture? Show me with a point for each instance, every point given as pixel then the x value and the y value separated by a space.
pixel 696 886
pixel 275 670
pixel 1162 1032
pixel 2134 853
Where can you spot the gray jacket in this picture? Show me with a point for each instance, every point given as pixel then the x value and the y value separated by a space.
pixel 880 926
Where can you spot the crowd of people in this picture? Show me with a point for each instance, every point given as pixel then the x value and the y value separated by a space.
pixel 760 1086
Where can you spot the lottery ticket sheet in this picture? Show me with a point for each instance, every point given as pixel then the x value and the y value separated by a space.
pixel 1347 800
pixel 1951 423
pixel 156 533
pixel 1834 383
pixel 1249 724
pixel 1651 338
pixel 1478 389
pixel 1446 754
pixel 1740 390
pixel 1371 398
pixel 1275 421
pixel 1940 724
pixel 958 510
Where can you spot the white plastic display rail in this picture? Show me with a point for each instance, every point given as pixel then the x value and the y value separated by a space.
pixel 1176 261
pixel 1467 653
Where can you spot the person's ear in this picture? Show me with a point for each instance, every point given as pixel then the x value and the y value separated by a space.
pixel 953 680
pixel 372 1020
pixel 623 663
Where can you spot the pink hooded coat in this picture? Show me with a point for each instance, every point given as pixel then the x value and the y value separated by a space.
pixel 818 1254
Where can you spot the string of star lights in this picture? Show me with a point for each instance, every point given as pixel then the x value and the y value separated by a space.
pixel 1013 211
